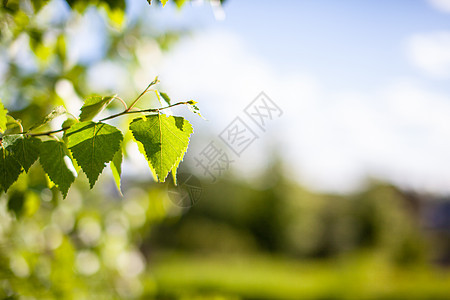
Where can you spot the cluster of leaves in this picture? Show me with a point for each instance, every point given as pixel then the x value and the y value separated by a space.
pixel 89 145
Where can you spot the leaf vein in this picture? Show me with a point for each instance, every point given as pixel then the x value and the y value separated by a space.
pixel 161 141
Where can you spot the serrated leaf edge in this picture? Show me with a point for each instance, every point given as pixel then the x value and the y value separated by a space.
pixel 91 184
pixel 179 158
pixel 64 193
pixel 116 175
pixel 5 149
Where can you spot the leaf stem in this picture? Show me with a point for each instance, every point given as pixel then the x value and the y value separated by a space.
pixel 159 98
pixel 155 81
pixel 121 100
pixel 20 125
pixel 75 118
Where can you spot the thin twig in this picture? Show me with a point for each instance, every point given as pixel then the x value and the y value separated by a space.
pixel 48 132
pixel 116 115
pixel 125 112
pixel 141 111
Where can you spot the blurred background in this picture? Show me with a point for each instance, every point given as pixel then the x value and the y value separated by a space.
pixel 336 187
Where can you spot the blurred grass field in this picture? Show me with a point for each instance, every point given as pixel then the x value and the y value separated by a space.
pixel 359 276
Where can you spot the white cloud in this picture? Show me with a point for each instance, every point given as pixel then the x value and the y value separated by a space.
pixel 331 140
pixel 441 5
pixel 431 53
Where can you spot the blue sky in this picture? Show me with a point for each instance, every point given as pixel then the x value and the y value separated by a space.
pixel 363 84
pixel 349 43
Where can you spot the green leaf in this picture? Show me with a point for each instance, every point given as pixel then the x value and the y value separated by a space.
pixel 12 126
pixel 9 140
pixel 25 150
pixel 180 3
pixel 92 145
pixel 3 120
pixel 165 140
pixel 11 121
pixel 175 167
pixel 116 167
pixel 10 169
pixel 93 106
pixel 58 111
pixel 69 122
pixel 38 4
pixel 165 97
pixel 174 170
pixel 152 170
pixel 61 47
pixel 194 108
pixel 116 17
pixel 52 155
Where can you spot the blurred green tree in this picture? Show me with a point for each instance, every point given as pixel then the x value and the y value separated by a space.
pixel 86 246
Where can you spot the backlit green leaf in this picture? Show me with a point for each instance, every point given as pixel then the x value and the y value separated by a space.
pixel 116 167
pixel 174 170
pixel 58 111
pixel 67 123
pixel 180 3
pixel 25 150
pixel 3 113
pixel 93 106
pixel 10 169
pixel 165 97
pixel 52 155
pixel 165 140
pixel 92 145
pixel 194 108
